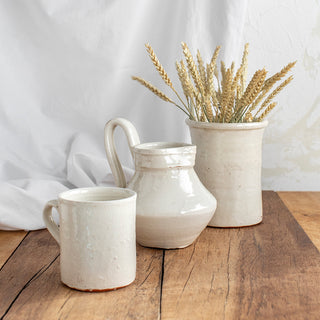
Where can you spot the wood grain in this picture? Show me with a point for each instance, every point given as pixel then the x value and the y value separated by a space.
pixel 270 271
pixel 46 298
pixel 31 259
pixel 9 241
pixel 305 207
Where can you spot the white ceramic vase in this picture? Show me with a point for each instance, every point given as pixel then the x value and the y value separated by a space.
pixel 173 206
pixel 228 163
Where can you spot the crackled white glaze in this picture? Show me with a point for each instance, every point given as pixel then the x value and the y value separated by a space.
pixel 173 206
pixel 228 163
pixel 96 237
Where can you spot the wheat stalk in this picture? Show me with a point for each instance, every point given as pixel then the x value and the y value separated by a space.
pixel 274 93
pixel 257 90
pixel 278 76
pixel 153 89
pixel 208 109
pixel 202 70
pixel 244 67
pixel 234 89
pixel 157 92
pixel 248 117
pixel 192 68
pixel 225 111
pixel 183 79
pixel 252 89
pixel 159 66
pixel 231 101
pixel 163 73
pixel 232 69
pixel 259 98
pixel 211 67
pixel 186 84
pixel 249 95
pixel 223 73
pixel 267 110
pixel 268 84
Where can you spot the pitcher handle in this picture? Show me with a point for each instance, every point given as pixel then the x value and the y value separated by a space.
pixel 113 159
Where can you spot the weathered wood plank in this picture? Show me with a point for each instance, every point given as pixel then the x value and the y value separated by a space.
pixel 9 240
pixel 305 207
pixel 46 298
pixel 269 271
pixel 31 258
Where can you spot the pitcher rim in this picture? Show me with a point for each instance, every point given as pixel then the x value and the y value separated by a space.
pixel 163 148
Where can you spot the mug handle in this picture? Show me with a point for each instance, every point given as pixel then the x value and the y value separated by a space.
pixel 48 219
pixel 113 159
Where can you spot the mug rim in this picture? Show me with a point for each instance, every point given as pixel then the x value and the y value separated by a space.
pixel 63 196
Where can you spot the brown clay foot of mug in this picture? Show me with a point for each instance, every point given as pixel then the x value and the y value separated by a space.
pixel 96 290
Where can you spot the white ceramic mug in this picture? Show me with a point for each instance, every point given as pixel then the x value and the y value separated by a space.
pixel 96 237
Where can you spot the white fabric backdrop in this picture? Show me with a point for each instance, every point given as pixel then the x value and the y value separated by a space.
pixel 65 69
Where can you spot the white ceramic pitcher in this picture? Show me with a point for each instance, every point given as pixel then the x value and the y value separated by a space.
pixel 173 206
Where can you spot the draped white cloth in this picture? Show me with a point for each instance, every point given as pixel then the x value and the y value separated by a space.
pixel 65 69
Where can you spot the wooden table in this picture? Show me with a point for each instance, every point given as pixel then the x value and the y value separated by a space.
pixel 269 271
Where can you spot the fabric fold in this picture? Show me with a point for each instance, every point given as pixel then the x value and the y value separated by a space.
pixel 66 70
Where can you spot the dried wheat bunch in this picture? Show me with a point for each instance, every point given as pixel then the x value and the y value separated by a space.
pixel 225 98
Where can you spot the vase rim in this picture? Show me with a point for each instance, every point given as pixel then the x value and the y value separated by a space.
pixel 227 126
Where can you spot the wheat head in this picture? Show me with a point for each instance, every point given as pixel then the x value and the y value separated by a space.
pixel 158 66
pixel 202 70
pixel 274 93
pixel 253 88
pixel 211 67
pixel 153 89
pixel 266 111
pixel 225 111
pixel 192 68
pixel 244 67
pixel 278 76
